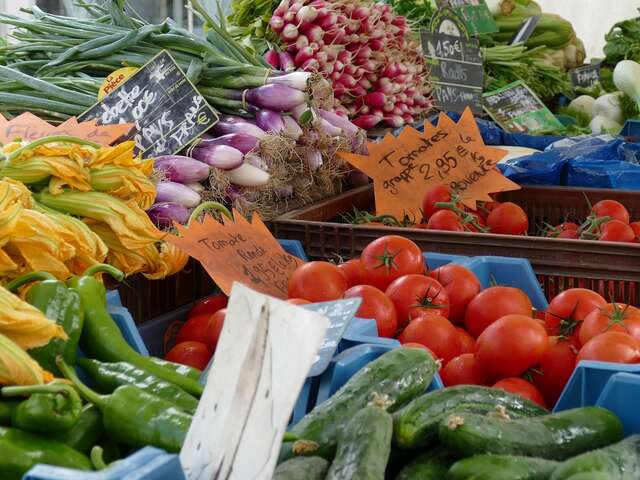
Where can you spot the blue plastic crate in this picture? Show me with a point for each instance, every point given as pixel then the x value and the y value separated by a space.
pixel 620 395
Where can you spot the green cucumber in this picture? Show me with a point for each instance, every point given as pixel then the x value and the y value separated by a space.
pixel 432 465
pixel 556 437
pixel 501 467
pixel 620 461
pixel 590 476
pixel 416 425
pixel 397 376
pixel 364 445
pixel 302 468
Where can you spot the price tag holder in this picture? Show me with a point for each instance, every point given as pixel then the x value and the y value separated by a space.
pixel 262 359
pixel 167 110
pixel 587 76
pixel 517 109
pixel 238 251
pixel 404 167
pixel 340 313
pixel 457 71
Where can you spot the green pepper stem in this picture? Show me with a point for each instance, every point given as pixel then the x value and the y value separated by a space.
pixel 86 392
pixel 31 389
pixel 97 458
pixel 16 283
pixel 209 206
pixel 51 139
pixel 104 268
pixel 290 437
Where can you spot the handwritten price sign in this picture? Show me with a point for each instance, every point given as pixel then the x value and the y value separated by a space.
pixel 238 251
pixel 404 168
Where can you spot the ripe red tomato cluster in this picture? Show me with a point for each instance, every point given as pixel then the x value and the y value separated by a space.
pixel 485 337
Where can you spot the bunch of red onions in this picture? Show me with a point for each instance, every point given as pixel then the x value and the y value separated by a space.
pixel 377 72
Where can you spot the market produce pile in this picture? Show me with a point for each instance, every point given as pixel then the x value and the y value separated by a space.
pixel 68 204
pixel 137 401
pixel 442 210
pixel 381 424
pixel 369 56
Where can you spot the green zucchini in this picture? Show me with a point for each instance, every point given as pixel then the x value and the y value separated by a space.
pixel 432 465
pixel 416 425
pixel 501 467
pixel 557 436
pixel 364 446
pixel 302 468
pixel 397 376
pixel 620 461
pixel 590 476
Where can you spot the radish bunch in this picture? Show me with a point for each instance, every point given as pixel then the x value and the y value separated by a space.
pixel 377 72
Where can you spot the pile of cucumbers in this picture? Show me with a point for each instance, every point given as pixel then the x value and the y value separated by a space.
pixel 381 425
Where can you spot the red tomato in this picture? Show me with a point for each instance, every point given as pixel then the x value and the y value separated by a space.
pixel 195 329
pixel 613 317
pixel 491 304
pixel 555 368
pixel 461 284
pixel 467 342
pixel 445 220
pixel 436 194
pixel 434 332
pixel 298 301
pixel 611 208
pixel 414 295
pixel 616 231
pixel 352 269
pixel 508 219
pixel 523 388
pixel 317 282
pixel 419 345
pixel 568 309
pixel 635 226
pixel 568 234
pixel 388 258
pixel 463 370
pixel 215 328
pixel 611 347
pixel 377 306
pixel 510 346
pixel 193 354
pixel 210 304
pixel 568 226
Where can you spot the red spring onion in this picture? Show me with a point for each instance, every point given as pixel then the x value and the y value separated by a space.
pixel 313 158
pixel 297 80
pixel 367 121
pixel 256 161
pixel 219 156
pixel 358 179
pixel 164 214
pixel 328 129
pixel 291 128
pixel 176 193
pixel 286 62
pixel 271 57
pixel 337 121
pixel 240 141
pixel 284 191
pixel 248 176
pixel 270 121
pixel 196 187
pixel 181 169
pixel 238 193
pixel 226 127
pixel 280 98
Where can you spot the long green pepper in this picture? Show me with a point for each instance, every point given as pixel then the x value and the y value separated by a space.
pixel 101 338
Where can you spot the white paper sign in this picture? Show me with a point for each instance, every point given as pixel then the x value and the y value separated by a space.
pixel 266 349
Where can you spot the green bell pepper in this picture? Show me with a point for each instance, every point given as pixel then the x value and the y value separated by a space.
pixel 101 338
pixel 134 417
pixel 86 432
pixel 58 303
pixel 19 451
pixel 51 408
pixel 106 377
pixel 6 411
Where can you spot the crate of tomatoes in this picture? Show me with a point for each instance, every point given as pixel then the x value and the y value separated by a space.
pixel 573 238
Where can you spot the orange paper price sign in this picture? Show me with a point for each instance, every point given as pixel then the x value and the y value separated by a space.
pixel 238 251
pixel 29 127
pixel 403 168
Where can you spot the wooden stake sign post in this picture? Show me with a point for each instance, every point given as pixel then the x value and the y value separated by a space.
pixel 238 251
pixel 403 168
pixel 265 351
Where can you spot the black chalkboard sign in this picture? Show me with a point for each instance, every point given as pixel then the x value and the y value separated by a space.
pixel 457 72
pixel 587 76
pixel 167 110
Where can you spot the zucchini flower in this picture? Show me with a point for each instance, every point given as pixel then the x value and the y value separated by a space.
pixel 124 183
pixel 17 367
